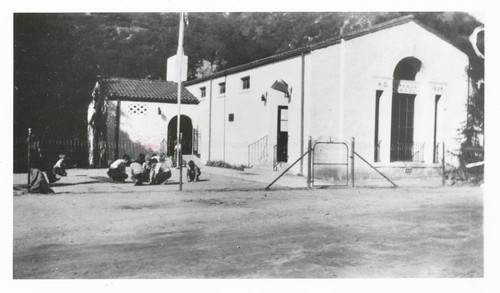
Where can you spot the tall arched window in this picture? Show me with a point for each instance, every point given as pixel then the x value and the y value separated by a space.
pixel 403 108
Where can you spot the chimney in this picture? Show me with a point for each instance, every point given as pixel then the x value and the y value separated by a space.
pixel 173 68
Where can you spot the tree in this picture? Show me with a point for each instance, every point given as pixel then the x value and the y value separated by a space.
pixel 57 57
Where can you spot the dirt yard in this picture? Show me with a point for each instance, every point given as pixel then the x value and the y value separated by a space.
pixel 116 231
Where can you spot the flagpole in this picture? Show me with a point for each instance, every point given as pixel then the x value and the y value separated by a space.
pixel 179 82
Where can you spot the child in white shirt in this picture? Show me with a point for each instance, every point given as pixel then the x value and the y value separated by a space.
pixel 60 166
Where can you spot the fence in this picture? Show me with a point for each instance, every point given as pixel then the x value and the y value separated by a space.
pixel 196 141
pixel 75 150
pixel 330 162
pixel 407 152
pixel 330 154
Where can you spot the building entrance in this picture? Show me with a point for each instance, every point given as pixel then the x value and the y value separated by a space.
pixel 402 127
pixel 282 139
pixel 403 110
pixel 187 135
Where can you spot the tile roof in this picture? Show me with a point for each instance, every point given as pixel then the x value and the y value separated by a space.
pixel 309 48
pixel 144 90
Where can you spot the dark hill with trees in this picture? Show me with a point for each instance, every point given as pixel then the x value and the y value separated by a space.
pixel 57 57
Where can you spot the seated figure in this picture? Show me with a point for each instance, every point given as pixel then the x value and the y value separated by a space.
pixel 193 172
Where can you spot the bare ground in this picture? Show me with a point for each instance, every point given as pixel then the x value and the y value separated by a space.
pixel 120 231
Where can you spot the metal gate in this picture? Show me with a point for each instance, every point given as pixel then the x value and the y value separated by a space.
pixel 328 161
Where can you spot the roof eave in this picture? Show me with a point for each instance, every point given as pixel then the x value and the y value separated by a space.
pixel 153 100
pixel 300 51
pixel 439 35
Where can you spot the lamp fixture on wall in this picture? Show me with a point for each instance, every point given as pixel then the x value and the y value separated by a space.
pixel 289 95
pixel 263 98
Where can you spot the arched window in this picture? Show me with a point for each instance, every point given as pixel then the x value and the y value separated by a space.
pixel 407 69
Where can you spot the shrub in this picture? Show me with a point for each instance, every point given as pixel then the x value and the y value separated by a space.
pixel 222 164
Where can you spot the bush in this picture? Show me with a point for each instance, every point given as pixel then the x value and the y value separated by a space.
pixel 470 154
pixel 222 164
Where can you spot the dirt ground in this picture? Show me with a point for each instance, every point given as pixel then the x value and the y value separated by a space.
pixel 94 229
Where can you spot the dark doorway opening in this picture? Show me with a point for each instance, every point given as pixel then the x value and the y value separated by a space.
pixel 436 105
pixel 282 139
pixel 403 110
pixel 403 106
pixel 187 135
pixel 376 138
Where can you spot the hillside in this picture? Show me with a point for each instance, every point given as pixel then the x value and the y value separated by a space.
pixel 57 57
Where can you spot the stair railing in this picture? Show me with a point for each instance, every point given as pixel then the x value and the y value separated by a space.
pixel 257 151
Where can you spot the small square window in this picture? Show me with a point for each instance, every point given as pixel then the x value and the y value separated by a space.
pixel 231 117
pixel 245 82
pixel 222 87
pixel 203 91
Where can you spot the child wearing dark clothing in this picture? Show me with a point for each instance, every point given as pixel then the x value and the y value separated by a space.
pixel 193 172
pixel 38 180
pixel 40 157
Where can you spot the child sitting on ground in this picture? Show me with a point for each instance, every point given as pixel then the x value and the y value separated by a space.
pixel 138 172
pixel 60 166
pixel 147 165
pixel 38 181
pixel 160 170
pixel 193 172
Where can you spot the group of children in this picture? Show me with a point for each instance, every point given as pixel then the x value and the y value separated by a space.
pixel 153 169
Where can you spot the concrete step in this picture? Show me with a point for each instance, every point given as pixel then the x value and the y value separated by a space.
pixel 269 167
pixel 264 161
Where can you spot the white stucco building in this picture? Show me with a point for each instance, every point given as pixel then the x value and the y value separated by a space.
pixel 141 117
pixel 398 88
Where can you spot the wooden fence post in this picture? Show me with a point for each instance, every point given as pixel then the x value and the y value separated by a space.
pixel 443 166
pixel 29 162
pixel 353 141
pixel 309 162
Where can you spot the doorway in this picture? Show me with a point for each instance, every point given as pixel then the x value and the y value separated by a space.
pixel 403 109
pixel 282 139
pixel 187 135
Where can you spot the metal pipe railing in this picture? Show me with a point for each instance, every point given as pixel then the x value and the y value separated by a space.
pixel 257 150
pixel 286 170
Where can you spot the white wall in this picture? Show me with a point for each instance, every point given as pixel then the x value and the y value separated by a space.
pixel 324 97
pixel 253 118
pixel 148 128
pixel 374 57
pixel 340 88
